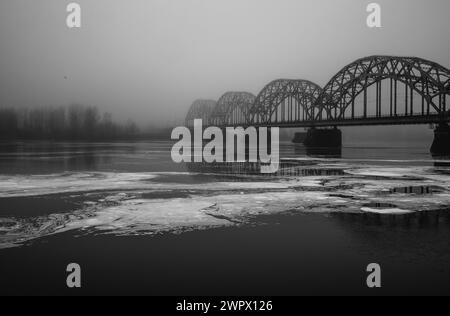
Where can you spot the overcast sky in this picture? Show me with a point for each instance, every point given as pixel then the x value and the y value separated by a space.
pixel 149 59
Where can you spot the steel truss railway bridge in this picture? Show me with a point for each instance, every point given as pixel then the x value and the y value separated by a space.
pixel 376 90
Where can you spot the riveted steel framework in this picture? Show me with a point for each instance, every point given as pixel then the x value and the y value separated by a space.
pixel 424 85
pixel 286 100
pixel 429 80
pixel 232 109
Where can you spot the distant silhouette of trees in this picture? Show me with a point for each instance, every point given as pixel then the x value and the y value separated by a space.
pixel 74 122
pixel 8 123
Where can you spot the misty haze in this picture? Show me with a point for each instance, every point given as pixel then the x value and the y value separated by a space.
pixel 149 61
pixel 87 176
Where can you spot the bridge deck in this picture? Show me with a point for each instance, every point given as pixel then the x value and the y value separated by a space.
pixel 361 121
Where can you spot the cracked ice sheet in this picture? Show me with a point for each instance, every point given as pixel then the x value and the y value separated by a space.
pixel 36 185
pixel 399 173
pixel 137 216
pixel 146 217
pixel 128 214
pixel 154 216
pixel 393 211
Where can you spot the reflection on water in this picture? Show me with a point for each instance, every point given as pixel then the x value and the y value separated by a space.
pixel 286 169
pixel 318 152
pixel 47 157
pixel 441 161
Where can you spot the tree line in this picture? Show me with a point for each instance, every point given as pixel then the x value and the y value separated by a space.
pixel 74 122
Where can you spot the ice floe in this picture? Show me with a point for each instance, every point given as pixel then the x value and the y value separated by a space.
pixel 393 211
pixel 132 205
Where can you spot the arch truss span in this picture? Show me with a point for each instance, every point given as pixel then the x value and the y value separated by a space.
pixel 285 100
pixel 422 85
pixel 232 109
pixel 200 109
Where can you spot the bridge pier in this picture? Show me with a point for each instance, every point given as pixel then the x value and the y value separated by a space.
pixel 441 143
pixel 323 138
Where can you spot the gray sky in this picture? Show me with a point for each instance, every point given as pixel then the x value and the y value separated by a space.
pixel 149 59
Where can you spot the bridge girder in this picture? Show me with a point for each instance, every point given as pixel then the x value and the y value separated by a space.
pixel 427 78
pixel 304 92
pixel 233 109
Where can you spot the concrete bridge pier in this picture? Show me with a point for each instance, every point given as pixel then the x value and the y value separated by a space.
pixel 441 143
pixel 323 138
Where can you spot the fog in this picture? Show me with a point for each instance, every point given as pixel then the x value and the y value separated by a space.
pixel 148 60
